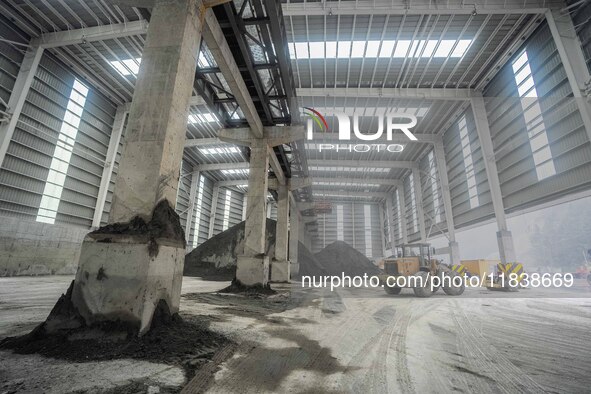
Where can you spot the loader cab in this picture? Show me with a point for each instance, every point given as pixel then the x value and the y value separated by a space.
pixel 410 259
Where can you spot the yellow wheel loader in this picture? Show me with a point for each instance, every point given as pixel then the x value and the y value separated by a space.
pixel 414 267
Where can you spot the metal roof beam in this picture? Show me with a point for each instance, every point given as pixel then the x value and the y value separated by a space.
pixel 222 166
pixel 89 34
pixel 363 163
pixel 319 192
pixel 404 93
pixel 420 7
pixel 358 181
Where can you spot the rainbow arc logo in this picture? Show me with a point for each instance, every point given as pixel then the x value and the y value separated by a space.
pixel 317 117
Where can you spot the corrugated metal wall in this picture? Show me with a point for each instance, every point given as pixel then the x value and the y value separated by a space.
pixel 203 214
pixel 463 212
pixel 582 21
pixel 565 131
pixel 183 193
pixel 25 170
pixel 234 210
pixel 432 204
pixel 356 231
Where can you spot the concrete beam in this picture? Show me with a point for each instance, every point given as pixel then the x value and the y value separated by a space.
pixel 418 7
pixel 90 34
pixel 276 166
pixel 362 163
pixel 197 100
pixel 114 141
pixel 25 77
pixel 404 93
pixel 202 142
pixel 222 166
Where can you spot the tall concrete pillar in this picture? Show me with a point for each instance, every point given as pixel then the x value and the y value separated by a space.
pixel 294 237
pixel 127 269
pixel 253 265
pixel 382 230
pixel 280 270
pixel 504 237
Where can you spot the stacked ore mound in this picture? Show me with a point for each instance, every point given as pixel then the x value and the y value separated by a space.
pixel 216 258
pixel 341 258
pixel 309 265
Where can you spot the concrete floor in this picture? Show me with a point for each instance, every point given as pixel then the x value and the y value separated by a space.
pixel 351 340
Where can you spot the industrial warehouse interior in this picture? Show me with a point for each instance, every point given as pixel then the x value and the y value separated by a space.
pixel 295 196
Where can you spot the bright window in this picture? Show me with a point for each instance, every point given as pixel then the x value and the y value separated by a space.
pixel 227 204
pixel 372 49
pixel 198 210
pixel 202 118
pixel 127 67
pixel 534 120
pixel 468 163
pixel 60 162
pixel 217 151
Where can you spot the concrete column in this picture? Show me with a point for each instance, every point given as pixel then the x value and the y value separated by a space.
pixel 392 228
pixel 280 270
pixel 504 238
pixel 25 77
pixel 253 265
pixel 404 223
pixel 454 248
pixel 191 209
pixel 294 236
pixel 419 203
pixel 127 277
pixel 573 60
pixel 116 133
pixel 214 209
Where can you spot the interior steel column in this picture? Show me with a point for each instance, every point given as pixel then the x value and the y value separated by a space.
pixel 21 87
pixel 213 211
pixel 573 60
pixel 402 217
pixel 391 228
pixel 416 175
pixel 454 248
pixel 191 209
pixel 504 237
pixel 114 141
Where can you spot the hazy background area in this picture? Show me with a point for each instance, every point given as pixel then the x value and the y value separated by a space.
pixel 557 237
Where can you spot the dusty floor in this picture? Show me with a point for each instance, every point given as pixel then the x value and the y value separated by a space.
pixel 352 340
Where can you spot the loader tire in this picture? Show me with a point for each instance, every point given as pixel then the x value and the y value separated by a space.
pixel 425 290
pixel 394 290
pixel 454 290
